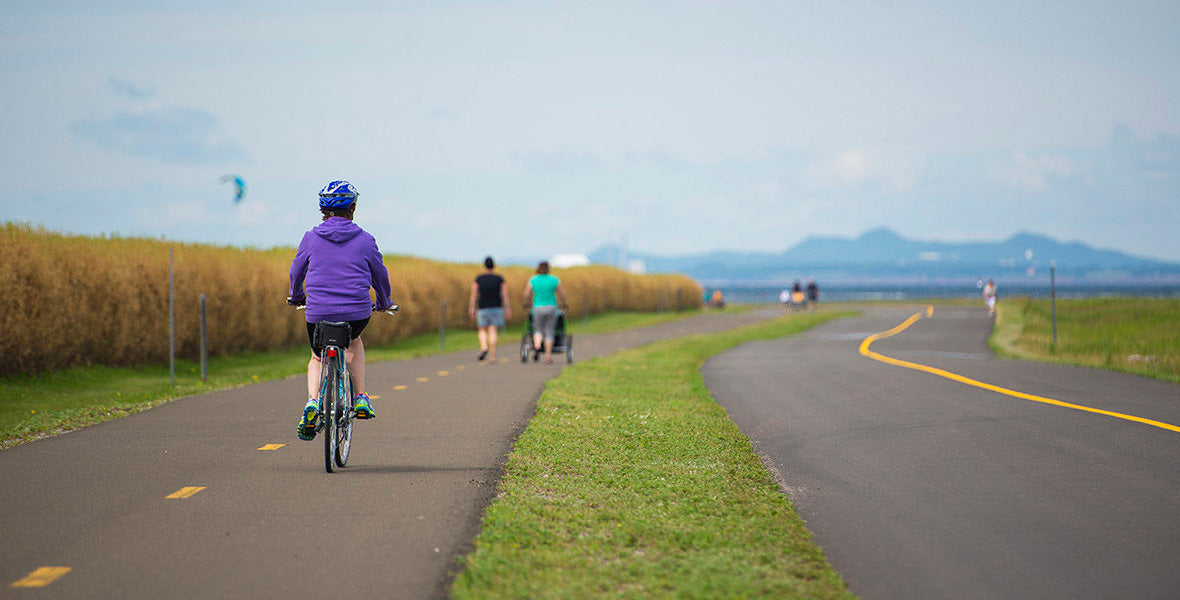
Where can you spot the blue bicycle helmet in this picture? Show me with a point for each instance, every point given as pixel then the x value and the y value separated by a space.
pixel 338 194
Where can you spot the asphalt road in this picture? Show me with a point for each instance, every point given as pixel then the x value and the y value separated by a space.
pixel 270 523
pixel 918 486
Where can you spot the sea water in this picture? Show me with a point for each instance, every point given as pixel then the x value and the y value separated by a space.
pixel 850 291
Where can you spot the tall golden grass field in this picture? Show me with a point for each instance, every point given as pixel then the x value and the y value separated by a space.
pixel 77 300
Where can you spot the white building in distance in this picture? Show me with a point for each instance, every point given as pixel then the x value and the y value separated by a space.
pixel 561 261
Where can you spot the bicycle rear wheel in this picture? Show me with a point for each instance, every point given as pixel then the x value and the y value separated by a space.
pixel 344 417
pixel 329 405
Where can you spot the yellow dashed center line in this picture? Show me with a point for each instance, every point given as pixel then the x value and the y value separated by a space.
pixel 422 379
pixel 864 350
pixel 42 577
pixel 374 397
pixel 398 388
pixel 184 492
pixel 272 446
pixel 461 368
pixel 443 373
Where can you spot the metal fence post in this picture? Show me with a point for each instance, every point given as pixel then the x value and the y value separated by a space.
pixel 171 325
pixel 442 325
pixel 1053 298
pixel 204 344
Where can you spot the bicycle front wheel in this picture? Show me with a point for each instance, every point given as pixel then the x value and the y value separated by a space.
pixel 344 418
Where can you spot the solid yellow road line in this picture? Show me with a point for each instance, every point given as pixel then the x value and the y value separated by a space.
pixel 398 388
pixel 184 492
pixel 422 379
pixel 864 350
pixel 42 577
pixel 272 446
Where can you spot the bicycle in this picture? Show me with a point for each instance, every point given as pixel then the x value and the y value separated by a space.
pixel 336 411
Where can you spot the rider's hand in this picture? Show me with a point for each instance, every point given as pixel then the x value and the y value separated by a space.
pixel 296 301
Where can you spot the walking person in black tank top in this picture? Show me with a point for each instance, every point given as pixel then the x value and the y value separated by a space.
pixel 490 308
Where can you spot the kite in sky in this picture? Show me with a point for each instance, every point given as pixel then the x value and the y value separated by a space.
pixel 239 186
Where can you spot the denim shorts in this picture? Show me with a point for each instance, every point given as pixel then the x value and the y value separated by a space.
pixel 493 317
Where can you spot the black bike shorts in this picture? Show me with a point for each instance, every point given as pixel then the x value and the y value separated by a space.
pixel 354 328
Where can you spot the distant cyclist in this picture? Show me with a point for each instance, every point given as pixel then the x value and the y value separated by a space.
pixel 337 262
pixel 542 290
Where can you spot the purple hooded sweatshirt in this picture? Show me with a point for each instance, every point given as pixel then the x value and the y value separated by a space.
pixel 340 262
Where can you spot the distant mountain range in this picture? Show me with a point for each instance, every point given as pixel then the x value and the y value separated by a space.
pixel 883 254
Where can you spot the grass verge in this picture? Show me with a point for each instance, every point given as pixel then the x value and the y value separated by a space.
pixel 1136 335
pixel 33 407
pixel 632 482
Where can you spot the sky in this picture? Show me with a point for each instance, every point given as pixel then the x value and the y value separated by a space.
pixel 524 129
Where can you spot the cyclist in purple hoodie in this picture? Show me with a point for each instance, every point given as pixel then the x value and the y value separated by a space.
pixel 337 262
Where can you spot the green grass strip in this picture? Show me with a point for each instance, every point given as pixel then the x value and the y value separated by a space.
pixel 1134 335
pixel 632 482
pixel 33 407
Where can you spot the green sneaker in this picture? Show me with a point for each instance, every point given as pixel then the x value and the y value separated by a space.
pixel 306 430
pixel 363 410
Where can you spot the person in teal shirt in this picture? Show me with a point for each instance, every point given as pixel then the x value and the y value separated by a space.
pixel 543 290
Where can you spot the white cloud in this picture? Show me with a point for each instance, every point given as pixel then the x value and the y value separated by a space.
pixel 1031 174
pixel 851 166
pixel 895 170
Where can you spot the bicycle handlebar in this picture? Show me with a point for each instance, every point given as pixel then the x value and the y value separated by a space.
pixel 391 311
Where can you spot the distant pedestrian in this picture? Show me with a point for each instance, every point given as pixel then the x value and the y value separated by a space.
pixel 543 291
pixel 989 297
pixel 784 299
pixel 812 293
pixel 490 308
pixel 797 297
pixel 717 300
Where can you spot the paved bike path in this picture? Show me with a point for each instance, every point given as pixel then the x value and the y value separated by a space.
pixel 919 486
pixel 272 523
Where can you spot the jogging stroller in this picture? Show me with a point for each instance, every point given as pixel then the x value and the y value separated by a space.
pixel 562 341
